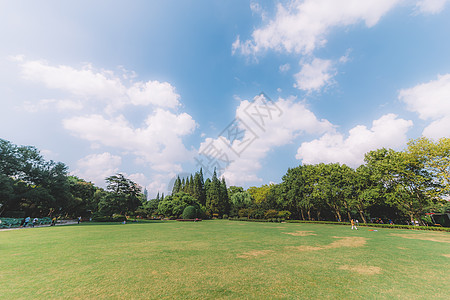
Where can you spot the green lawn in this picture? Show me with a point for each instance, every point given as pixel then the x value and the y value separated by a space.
pixel 222 259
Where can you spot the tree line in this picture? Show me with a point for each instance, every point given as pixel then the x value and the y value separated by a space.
pixel 33 186
pixel 391 185
pixel 397 185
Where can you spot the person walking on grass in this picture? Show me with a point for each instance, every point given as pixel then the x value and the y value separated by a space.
pixel 353 225
pixel 27 220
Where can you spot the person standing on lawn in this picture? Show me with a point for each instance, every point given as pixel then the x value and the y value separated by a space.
pixel 353 224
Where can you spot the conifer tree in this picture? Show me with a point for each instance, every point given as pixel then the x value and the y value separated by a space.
pixel 213 196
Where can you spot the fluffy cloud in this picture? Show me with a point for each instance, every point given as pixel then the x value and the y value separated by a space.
pixel 431 101
pixel 301 26
pixel 259 127
pixel 96 167
pixel 315 75
pixel 47 104
pixel 388 131
pixel 95 104
pixel 431 6
pixel 158 142
pixel 88 83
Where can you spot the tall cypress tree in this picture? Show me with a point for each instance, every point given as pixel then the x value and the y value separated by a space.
pixel 202 185
pixel 183 185
pixel 176 186
pixel 191 186
pixel 213 196
pixel 224 199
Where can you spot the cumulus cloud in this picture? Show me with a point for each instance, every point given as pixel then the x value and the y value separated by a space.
pixel 96 167
pixel 87 83
pixel 388 131
pixel 158 142
pixel 430 6
pixel 431 102
pixel 95 104
pixel 259 127
pixel 301 26
pixel 315 75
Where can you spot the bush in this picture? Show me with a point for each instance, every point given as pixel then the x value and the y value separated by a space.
pixel 225 216
pixel 190 212
pixel 114 218
pixel 284 214
pixel 271 213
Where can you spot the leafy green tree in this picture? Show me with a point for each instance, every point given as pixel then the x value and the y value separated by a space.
pixel 368 190
pixel 125 195
pixel 234 189
pixel 174 205
pixel 6 192
pixel 435 157
pixel 407 182
pixel 240 200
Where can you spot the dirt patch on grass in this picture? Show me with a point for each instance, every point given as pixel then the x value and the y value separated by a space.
pixel 434 237
pixel 363 270
pixel 446 255
pixel 348 241
pixel 254 253
pixel 300 233
pixel 401 248
pixel 306 248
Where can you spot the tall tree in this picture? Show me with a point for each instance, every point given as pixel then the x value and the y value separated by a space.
pixel 213 196
pixel 435 157
pixel 407 181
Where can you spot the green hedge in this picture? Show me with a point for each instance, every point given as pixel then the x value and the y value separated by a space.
pixel 431 228
pixel 276 220
pixel 109 219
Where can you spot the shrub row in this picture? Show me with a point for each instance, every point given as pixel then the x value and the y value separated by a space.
pixel 114 218
pixel 276 220
pixel 432 228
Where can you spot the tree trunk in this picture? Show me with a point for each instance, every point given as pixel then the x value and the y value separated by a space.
pixel 309 214
pixel 303 217
pixel 361 213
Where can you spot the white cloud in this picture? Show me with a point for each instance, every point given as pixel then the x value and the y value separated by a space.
pixel 47 104
pixel 431 101
pixel 431 6
pixel 315 75
pixel 96 167
pixel 259 131
pixel 88 83
pixel 302 26
pixel 388 131
pixel 95 102
pixel 158 142
pixel 284 68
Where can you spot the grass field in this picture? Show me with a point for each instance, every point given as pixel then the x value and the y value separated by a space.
pixel 222 259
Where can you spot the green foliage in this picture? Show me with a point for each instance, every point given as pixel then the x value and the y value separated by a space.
pixel 271 213
pixel 174 205
pixel 190 212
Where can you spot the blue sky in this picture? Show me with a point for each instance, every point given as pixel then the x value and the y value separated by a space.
pixel 150 88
